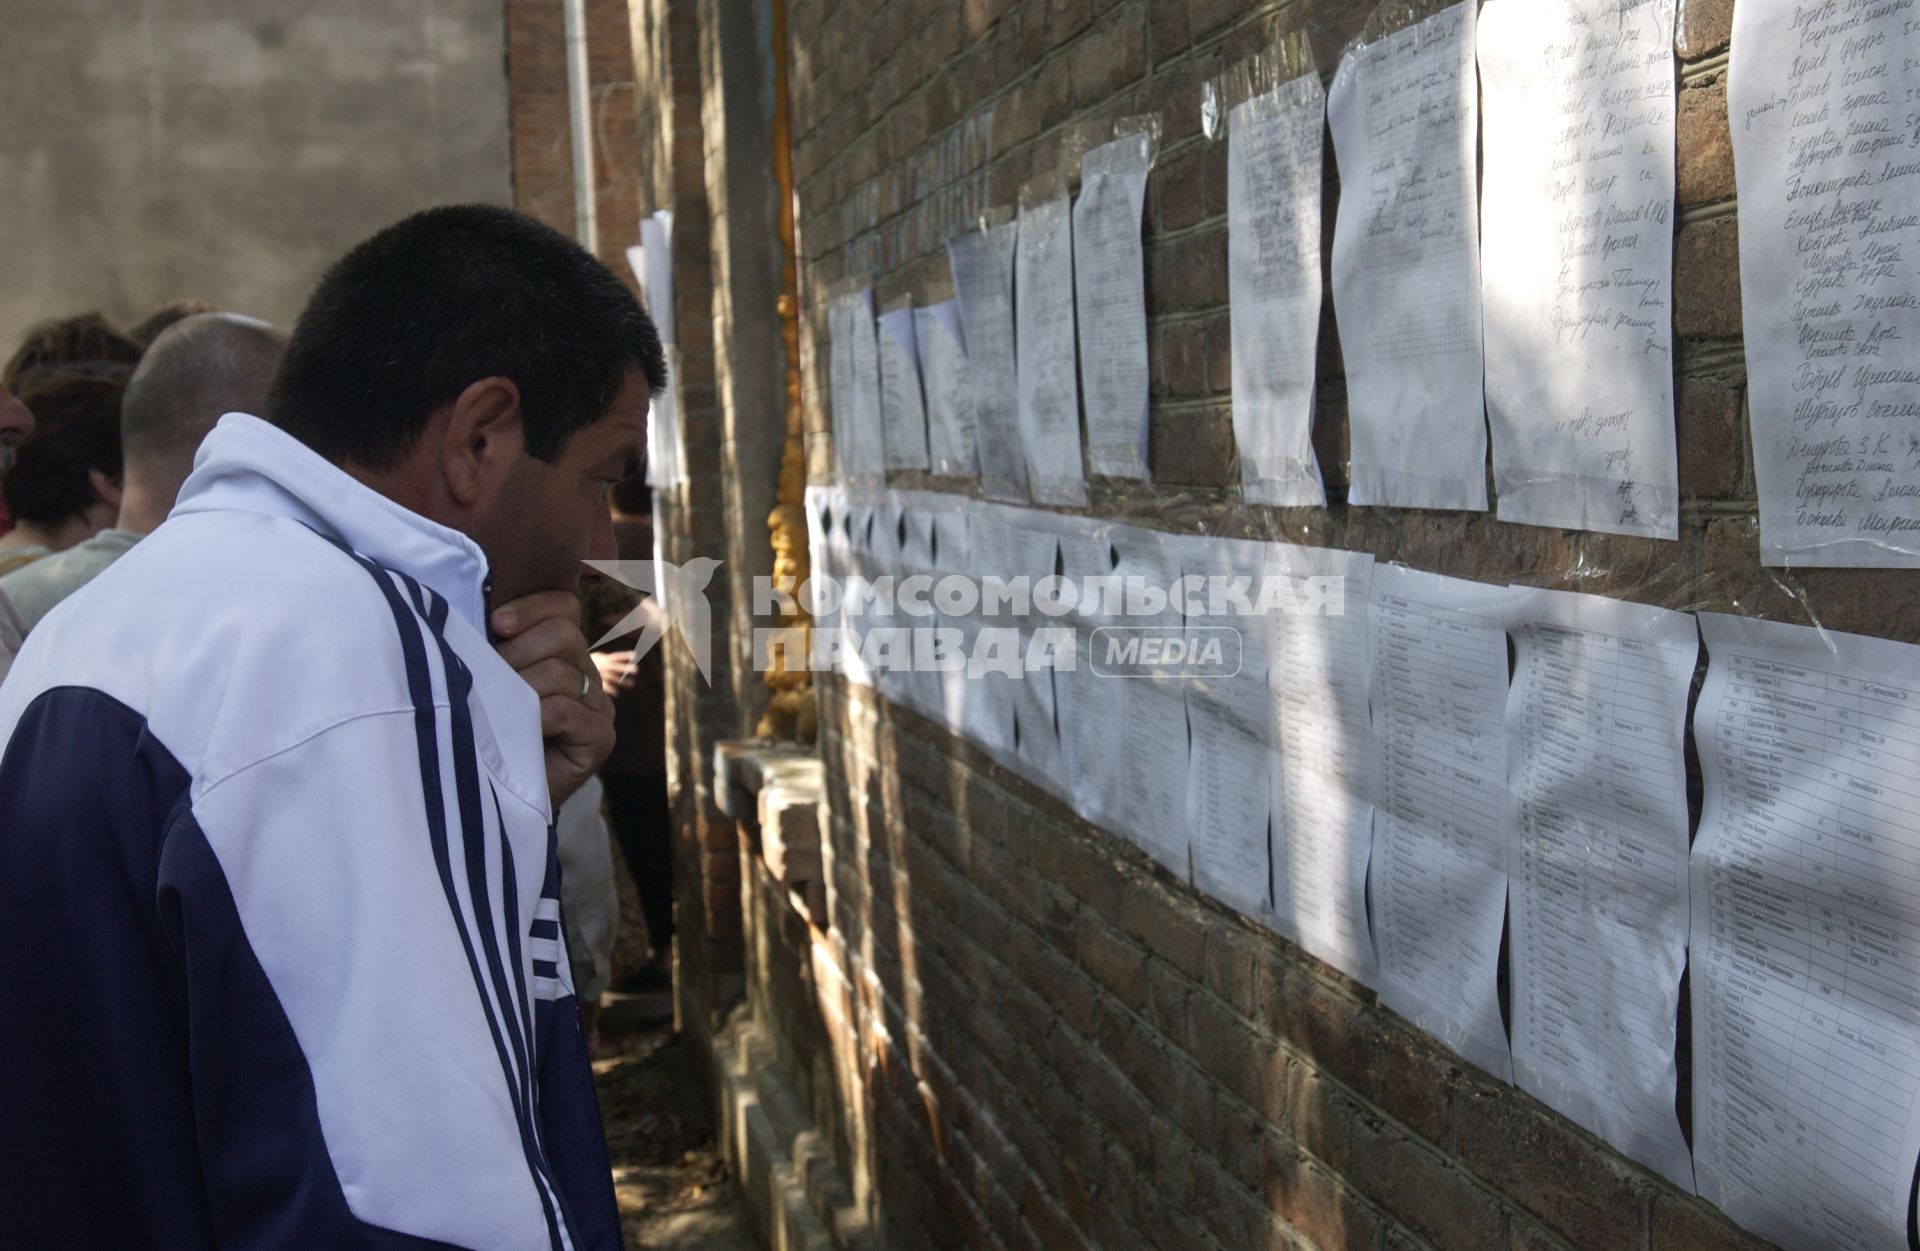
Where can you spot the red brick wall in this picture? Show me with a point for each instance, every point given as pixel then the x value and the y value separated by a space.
pixel 1043 1040
pixel 541 125
pixel 644 74
pixel 671 174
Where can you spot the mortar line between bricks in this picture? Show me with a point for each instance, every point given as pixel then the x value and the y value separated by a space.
pixel 1698 213
pixel 1692 72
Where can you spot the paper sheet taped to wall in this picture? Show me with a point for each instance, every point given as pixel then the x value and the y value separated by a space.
pixel 902 407
pixel 1806 933
pixel 948 388
pixel 982 262
pixel 1110 300
pixel 1406 264
pixel 859 440
pixel 1325 754
pixel 1596 828
pixel 1049 369
pixel 1274 287
pixel 1822 106
pixel 1578 262
pixel 1439 868
pixel 1230 722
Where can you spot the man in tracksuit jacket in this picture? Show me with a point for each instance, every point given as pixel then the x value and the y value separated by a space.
pixel 281 960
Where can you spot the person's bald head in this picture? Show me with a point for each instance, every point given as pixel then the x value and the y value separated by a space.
pixel 196 370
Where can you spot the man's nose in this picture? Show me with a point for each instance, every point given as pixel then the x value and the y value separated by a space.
pixel 600 544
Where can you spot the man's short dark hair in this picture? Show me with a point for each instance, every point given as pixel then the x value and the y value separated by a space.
pixel 76 415
pixel 409 319
pixel 197 369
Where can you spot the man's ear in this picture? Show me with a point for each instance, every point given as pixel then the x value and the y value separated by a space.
pixel 105 487
pixel 483 440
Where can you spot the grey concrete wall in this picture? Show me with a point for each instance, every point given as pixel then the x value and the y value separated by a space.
pixel 227 150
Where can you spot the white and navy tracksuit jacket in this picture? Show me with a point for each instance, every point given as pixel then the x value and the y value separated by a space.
pixel 281 961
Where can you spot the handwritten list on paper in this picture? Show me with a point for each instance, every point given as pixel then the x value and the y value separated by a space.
pixel 1577 262
pixel 902 408
pixel 1274 287
pixel 982 263
pixel 1325 755
pixel 1596 821
pixel 1049 371
pixel 1822 98
pixel 854 365
pixel 1110 298
pixel 1806 934
pixel 1439 865
pixel 840 388
pixel 1406 264
pixel 949 390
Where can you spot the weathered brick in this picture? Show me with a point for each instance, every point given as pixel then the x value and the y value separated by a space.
pixel 1429 1195
pixel 1414 1080
pixel 1180 190
pixel 1184 358
pixel 1315 1203
pixel 1682 1223
pixel 1708 412
pixel 1706 280
pixel 1549 1167
pixel 1188 272
pixel 1703 144
pixel 1113 55
pixel 1321 1022
pixel 1114 962
pixel 1707 27
pixel 1319 1116
pixel 1192 446
pixel 1172 929
pixel 1168 33
pixel 1254 1070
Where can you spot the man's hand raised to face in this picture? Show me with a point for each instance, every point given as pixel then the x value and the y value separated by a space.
pixel 539 635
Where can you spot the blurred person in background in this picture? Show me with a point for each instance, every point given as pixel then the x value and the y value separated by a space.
pixel 635 774
pixel 148 328
pixel 16 423
pixel 51 346
pixel 64 484
pixel 200 368
pixel 589 902
pixel 87 340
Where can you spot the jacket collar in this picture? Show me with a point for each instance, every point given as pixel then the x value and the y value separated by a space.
pixel 247 465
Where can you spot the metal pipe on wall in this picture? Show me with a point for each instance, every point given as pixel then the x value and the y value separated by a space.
pixel 580 109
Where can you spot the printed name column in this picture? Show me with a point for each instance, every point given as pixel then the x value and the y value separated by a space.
pixel 1806 933
pixel 1439 865
pixel 1596 821
pixel 1325 755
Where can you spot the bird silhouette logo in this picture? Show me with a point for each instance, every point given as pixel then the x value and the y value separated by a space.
pixel 676 597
